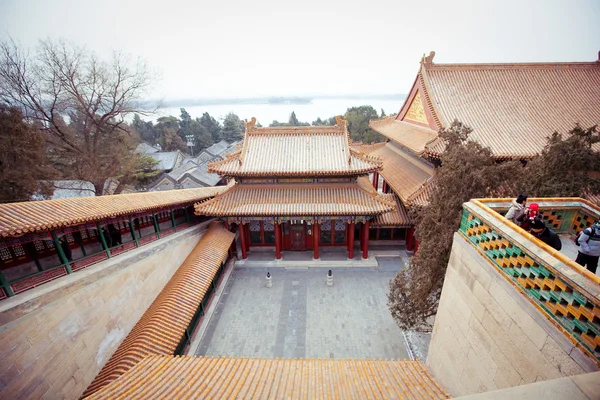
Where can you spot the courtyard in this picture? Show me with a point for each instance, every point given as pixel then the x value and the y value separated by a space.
pixel 300 317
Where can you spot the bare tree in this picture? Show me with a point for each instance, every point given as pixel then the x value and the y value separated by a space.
pixel 80 102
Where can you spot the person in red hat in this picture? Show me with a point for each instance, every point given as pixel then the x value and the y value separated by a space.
pixel 529 216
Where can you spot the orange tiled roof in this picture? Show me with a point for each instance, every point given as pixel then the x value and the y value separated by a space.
pixel 295 151
pixel 404 173
pixel 413 137
pixel 422 195
pixel 245 200
pixel 512 108
pixel 168 377
pixel 593 197
pixel 162 326
pixel 398 217
pixel 35 216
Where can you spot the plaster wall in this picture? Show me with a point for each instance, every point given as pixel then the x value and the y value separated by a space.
pixel 488 336
pixel 55 339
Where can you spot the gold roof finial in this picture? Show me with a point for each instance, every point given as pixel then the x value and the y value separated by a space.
pixel 250 124
pixel 428 60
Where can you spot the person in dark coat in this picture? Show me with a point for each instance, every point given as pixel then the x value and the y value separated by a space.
pixel 115 235
pixel 107 237
pixel 531 213
pixel 545 234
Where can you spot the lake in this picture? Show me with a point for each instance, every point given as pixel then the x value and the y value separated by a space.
pixel 267 113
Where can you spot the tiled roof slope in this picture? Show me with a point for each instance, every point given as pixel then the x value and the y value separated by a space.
pixel 36 216
pixel 295 151
pixel 167 377
pixel 512 108
pixel 404 173
pixel 162 326
pixel 412 137
pixel 296 200
pixel 398 217
pixel 422 195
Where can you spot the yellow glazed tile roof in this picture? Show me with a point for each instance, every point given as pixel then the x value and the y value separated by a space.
pixel 295 151
pixel 35 216
pixel 404 173
pixel 413 137
pixel 398 217
pixel 168 377
pixel 163 325
pixel 512 108
pixel 297 200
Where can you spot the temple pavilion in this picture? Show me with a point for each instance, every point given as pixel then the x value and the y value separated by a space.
pixel 512 108
pixel 299 188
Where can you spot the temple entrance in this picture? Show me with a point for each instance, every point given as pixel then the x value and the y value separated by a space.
pixel 298 237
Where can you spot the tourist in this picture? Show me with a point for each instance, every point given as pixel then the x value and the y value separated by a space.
pixel 107 237
pixel 115 235
pixel 64 245
pixel 517 208
pixel 589 247
pixel 531 213
pixel 545 234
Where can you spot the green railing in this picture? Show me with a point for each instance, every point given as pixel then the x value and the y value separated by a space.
pixel 568 294
pixel 9 288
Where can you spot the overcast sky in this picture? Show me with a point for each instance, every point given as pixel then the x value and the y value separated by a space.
pixel 224 48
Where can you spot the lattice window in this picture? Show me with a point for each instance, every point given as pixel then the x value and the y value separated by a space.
pixel 19 251
pixel 5 254
pixel 49 244
pixel 326 226
pixel 70 237
pixel 268 226
pixel 83 233
pixel 254 226
pixel 340 225
pixel 39 245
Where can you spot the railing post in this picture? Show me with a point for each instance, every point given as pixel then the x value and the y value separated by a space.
pixel 156 226
pixel 173 218
pixel 132 230
pixel 61 253
pixel 187 216
pixel 6 285
pixel 102 239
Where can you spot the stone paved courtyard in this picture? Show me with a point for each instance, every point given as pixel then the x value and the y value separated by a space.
pixel 303 318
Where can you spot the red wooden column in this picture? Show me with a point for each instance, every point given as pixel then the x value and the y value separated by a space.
pixel 277 241
pixel 242 232
pixel 365 234
pixel 375 179
pixel 351 240
pixel 384 187
pixel 316 235
pixel 410 239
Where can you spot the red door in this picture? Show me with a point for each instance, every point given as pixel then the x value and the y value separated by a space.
pixel 298 241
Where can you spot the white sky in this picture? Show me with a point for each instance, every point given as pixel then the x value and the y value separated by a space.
pixel 225 48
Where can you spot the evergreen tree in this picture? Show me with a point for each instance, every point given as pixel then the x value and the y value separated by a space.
pixel 212 126
pixel 293 120
pixel 232 127
pixel 467 171
pixel 23 164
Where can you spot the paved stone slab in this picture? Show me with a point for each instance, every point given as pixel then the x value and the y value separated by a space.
pixel 303 318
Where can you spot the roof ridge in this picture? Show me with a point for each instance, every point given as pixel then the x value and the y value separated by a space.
pixel 532 65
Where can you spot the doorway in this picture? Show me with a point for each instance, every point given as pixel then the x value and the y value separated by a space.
pixel 297 237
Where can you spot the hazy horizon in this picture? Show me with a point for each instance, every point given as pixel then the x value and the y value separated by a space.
pixel 238 49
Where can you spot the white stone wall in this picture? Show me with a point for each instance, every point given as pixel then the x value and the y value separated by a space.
pixel 488 336
pixel 54 339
